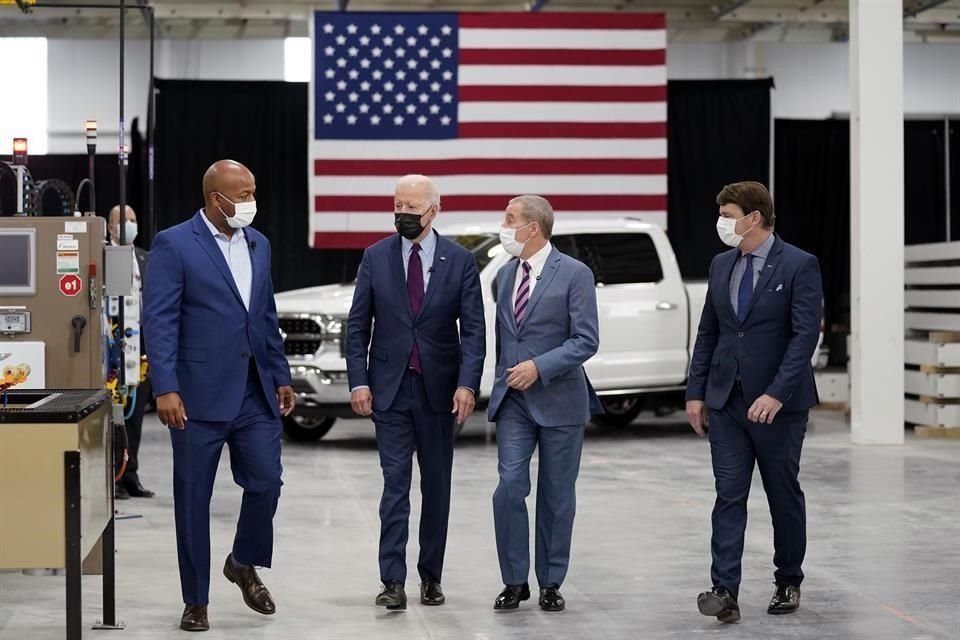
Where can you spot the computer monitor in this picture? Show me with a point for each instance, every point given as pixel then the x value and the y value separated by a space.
pixel 18 262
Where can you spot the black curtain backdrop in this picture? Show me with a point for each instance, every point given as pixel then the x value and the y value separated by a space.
pixel 954 131
pixel 718 132
pixel 264 126
pixel 924 182
pixel 812 180
pixel 812 201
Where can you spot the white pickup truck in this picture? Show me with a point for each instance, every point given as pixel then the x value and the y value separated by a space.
pixel 648 322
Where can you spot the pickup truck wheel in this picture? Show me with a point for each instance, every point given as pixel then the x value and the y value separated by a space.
pixel 619 411
pixel 307 429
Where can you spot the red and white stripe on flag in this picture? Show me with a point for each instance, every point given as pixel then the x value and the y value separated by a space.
pixel 570 106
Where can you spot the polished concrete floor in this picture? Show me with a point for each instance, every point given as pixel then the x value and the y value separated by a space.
pixel 883 559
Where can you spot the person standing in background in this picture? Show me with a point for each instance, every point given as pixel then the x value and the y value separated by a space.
pixel 129 484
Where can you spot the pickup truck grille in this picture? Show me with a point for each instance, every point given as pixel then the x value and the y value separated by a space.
pixel 302 336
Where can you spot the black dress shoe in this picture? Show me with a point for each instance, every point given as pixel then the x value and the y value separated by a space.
pixel 392 596
pixel 719 603
pixel 194 618
pixel 551 600
pixel 120 492
pixel 135 489
pixel 255 594
pixel 786 599
pixel 431 593
pixel 511 596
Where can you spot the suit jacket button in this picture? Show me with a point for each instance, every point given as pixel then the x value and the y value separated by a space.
pixel 740 335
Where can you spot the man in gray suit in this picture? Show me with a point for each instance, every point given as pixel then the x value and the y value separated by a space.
pixel 546 329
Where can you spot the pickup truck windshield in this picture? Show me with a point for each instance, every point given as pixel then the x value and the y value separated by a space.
pixel 482 246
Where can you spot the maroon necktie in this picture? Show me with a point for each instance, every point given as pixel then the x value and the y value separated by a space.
pixel 415 294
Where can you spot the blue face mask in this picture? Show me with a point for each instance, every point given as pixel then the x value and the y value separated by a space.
pixel 130 229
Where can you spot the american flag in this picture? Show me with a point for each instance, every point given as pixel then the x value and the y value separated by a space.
pixel 570 106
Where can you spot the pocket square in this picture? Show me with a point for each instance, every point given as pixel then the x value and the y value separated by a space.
pixel 779 287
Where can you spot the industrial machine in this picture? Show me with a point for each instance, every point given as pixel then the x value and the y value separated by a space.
pixel 69 359
pixel 56 490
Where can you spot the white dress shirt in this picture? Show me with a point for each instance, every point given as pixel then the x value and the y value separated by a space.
pixel 537 261
pixel 237 255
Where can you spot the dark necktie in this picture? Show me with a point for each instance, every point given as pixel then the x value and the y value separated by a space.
pixel 415 294
pixel 745 294
pixel 523 294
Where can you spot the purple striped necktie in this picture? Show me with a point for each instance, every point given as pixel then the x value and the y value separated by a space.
pixel 523 294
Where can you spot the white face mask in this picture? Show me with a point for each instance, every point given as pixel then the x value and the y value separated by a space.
pixel 130 230
pixel 727 230
pixel 508 238
pixel 243 213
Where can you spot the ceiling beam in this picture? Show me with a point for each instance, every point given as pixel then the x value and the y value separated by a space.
pixel 920 6
pixel 727 8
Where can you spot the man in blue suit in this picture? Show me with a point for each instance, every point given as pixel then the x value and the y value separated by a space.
pixel 219 377
pixel 752 381
pixel 547 327
pixel 417 374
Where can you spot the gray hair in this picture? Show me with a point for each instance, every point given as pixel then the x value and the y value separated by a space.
pixel 536 209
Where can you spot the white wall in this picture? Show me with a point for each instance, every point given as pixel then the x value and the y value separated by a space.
pixel 83 80
pixel 812 79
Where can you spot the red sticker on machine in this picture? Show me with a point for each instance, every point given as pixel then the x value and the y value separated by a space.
pixel 71 285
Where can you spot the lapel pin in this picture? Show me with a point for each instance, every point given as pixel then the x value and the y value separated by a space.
pixel 442 258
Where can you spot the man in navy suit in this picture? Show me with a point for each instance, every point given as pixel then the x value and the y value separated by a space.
pixel 219 377
pixel 547 327
pixel 417 374
pixel 752 381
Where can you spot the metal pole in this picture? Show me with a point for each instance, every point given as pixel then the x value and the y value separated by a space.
pixel 72 560
pixel 151 220
pixel 122 375
pixel 110 571
pixel 772 152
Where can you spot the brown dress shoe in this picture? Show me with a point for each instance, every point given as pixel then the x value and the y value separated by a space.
pixel 194 618
pixel 255 594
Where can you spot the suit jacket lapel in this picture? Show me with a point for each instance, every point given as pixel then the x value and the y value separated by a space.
pixel 768 270
pixel 209 245
pixel 546 277
pixel 399 279
pixel 727 276
pixel 508 279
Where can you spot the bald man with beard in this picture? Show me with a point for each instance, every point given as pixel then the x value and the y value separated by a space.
pixel 220 378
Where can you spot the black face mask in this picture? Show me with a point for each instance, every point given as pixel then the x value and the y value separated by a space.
pixel 408 225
